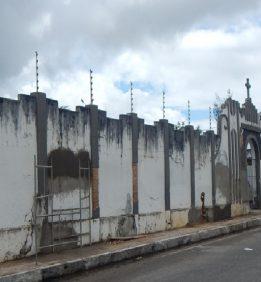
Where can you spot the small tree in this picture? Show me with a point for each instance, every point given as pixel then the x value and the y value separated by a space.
pixel 199 129
pixel 217 107
pixel 180 125
pixel 218 103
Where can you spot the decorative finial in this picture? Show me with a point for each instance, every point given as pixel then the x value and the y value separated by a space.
pixel 131 96
pixel 188 112
pixel 36 71
pixel 91 83
pixel 210 118
pixel 248 86
pixel 163 104
pixel 229 93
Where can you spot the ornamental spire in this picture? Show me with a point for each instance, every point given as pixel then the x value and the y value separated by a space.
pixel 248 86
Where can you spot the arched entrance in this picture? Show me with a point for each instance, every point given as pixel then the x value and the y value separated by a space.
pixel 253 166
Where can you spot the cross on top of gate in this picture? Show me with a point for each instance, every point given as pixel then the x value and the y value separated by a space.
pixel 248 86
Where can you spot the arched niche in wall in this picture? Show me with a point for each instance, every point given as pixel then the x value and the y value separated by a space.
pixel 253 174
pixel 66 169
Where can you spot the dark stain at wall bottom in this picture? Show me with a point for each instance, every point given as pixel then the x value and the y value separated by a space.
pixel 126 226
pixel 213 214
pixel 221 213
pixel 26 248
pixel 63 232
pixel 194 215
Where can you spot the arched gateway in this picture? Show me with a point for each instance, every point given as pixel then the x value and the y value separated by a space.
pixel 237 179
pixel 251 130
pixel 250 126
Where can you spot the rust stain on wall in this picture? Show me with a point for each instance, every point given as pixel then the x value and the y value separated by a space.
pixel 95 189
pixel 135 184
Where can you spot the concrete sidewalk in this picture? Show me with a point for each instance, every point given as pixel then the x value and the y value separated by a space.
pixel 70 261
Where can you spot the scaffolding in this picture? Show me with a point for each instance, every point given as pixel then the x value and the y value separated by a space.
pixel 59 216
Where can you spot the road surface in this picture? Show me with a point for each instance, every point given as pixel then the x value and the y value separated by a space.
pixel 232 258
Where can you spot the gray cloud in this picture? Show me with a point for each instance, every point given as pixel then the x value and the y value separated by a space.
pixel 192 48
pixel 84 33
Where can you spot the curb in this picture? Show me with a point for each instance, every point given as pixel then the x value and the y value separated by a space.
pixel 83 264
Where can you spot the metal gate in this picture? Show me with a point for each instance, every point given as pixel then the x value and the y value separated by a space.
pixel 44 210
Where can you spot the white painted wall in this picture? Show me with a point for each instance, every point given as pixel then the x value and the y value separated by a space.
pixel 75 135
pixel 222 166
pixel 17 147
pixel 115 171
pixel 69 130
pixel 180 181
pixel 17 150
pixel 13 240
pixel 151 173
pixel 153 222
pixel 203 172
pixel 72 130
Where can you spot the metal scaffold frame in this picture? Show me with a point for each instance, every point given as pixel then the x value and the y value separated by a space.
pixel 54 216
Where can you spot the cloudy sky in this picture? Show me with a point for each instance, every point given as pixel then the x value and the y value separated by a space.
pixel 192 49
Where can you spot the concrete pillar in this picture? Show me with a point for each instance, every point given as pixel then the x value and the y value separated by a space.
pixel 211 137
pixel 165 127
pixel 41 136
pixel 189 133
pixel 94 134
pixel 135 195
pixel 229 150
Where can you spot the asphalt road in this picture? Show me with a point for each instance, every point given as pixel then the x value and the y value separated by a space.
pixel 232 258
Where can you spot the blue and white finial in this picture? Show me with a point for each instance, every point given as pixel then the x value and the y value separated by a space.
pixel 189 112
pixel 163 104
pixel 91 88
pixel 131 96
